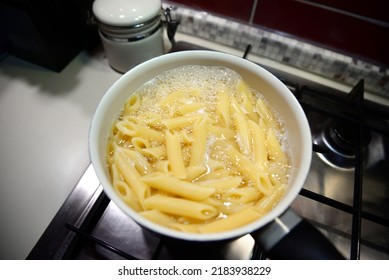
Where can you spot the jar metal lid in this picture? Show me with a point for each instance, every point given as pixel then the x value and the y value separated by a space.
pixel 126 13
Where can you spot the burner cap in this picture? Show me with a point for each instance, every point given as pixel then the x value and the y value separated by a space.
pixel 341 142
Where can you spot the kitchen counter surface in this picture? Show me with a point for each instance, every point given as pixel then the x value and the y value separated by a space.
pixel 44 124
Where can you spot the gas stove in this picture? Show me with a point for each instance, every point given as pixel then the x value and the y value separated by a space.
pixel 346 194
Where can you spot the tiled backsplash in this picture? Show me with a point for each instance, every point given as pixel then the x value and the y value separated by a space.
pixel 284 49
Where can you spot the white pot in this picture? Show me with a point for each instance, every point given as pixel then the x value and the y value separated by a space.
pixel 276 93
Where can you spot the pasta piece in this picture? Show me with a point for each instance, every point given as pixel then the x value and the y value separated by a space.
pixel 223 108
pixel 131 104
pixel 241 195
pixel 247 100
pixel 222 184
pixel 151 119
pixel 132 178
pixel 125 192
pixel 163 166
pixel 140 162
pixel 131 118
pixel 235 107
pixel 181 207
pixel 176 186
pixel 242 129
pixel 154 153
pixel 199 145
pixel 140 143
pixel 248 169
pixel 174 155
pixel 127 128
pixel 111 150
pixel 185 136
pixel 213 201
pixel 217 170
pixel 194 172
pixel 189 108
pixel 259 144
pixel 222 132
pixel 193 228
pixel 217 174
pixel 235 220
pixel 180 122
pixel 157 217
pixel 264 112
pixel 149 133
pixel 278 173
pixel 216 165
pixel 267 203
pixel 274 148
pixel 171 98
pixel 265 182
pixel 229 208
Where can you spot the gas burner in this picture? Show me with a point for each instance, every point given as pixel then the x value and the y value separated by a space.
pixel 340 143
pixel 343 135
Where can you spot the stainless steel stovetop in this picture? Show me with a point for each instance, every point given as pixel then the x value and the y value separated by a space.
pixel 346 195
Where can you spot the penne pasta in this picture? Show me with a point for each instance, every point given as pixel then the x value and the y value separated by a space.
pixel 243 133
pixel 259 144
pixel 181 207
pixel 199 145
pixel 174 155
pixel 140 143
pixel 185 136
pixel 248 169
pixel 132 178
pixel 126 127
pixel 180 122
pixel 274 148
pixel 151 119
pixel 222 132
pixel 140 162
pixel 157 217
pixel 235 220
pixel 247 100
pixel 268 202
pixel 241 195
pixel 132 103
pixel 264 112
pixel 199 157
pixel 149 133
pixel 189 108
pixel 193 228
pixel 171 98
pixel 217 174
pixel 176 186
pixel 229 208
pixel 126 193
pixel 223 108
pixel 153 153
pixel 222 184
pixel 195 172
pixel 163 166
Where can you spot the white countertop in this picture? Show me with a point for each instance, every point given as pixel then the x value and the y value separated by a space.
pixel 44 124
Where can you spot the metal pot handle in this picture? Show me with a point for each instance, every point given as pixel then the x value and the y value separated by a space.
pixel 292 238
pixel 171 24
